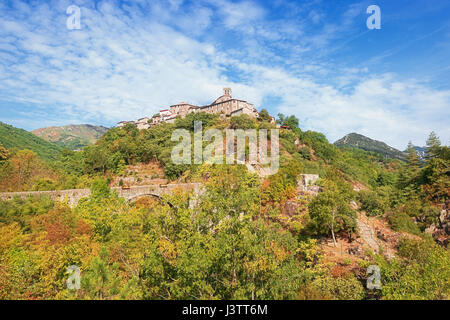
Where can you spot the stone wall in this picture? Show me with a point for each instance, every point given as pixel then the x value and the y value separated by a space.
pixel 73 196
pixel 228 107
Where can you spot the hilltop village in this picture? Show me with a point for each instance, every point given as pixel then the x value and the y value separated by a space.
pixel 225 105
pixel 161 229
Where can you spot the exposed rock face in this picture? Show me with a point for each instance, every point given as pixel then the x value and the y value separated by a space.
pixel 441 230
pixel 367 232
pixel 290 208
pixel 306 183
pixel 358 186
pixel 261 171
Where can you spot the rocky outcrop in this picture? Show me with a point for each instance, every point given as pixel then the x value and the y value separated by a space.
pixel 441 230
pixel 367 232
pixel 306 184
pixel 291 208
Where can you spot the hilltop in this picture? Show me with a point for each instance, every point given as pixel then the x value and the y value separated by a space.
pixel 73 137
pixel 15 138
pixel 355 140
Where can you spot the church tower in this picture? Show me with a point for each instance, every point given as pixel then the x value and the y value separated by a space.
pixel 227 92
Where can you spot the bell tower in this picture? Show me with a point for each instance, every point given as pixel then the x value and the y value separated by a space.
pixel 227 92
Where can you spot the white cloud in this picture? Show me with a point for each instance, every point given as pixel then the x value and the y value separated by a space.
pixel 381 107
pixel 125 66
pixel 239 14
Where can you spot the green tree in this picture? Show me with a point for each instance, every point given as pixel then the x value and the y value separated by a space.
pixel 433 146
pixel 187 122
pixel 331 213
pixel 436 180
pixel 95 160
pixel 254 260
pixel 290 121
pixel 372 203
pixel 264 115
pixel 412 159
pixel 407 179
pixel 100 189
pixel 102 281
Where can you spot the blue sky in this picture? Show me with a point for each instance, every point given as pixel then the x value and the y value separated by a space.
pixel 315 59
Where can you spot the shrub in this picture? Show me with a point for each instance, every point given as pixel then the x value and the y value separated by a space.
pixel 371 203
pixel 341 288
pixel 242 121
pixel 44 184
pixel 188 122
pixel 305 152
pixel 400 221
pixel 420 272
pixel 100 189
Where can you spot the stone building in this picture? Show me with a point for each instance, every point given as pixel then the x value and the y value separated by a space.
pixel 225 104
pixel 122 124
pixel 182 109
pixel 156 119
pixel 143 123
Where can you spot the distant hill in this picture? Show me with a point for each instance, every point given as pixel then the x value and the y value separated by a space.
pixel 420 151
pixel 12 137
pixel 72 137
pixel 355 140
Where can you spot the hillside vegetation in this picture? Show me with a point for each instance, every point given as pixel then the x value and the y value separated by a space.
pixel 73 137
pixel 236 241
pixel 15 138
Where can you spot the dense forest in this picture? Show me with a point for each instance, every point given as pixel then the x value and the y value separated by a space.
pixel 19 139
pixel 238 241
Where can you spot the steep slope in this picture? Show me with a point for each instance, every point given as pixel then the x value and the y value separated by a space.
pixel 355 140
pixel 73 137
pixel 12 137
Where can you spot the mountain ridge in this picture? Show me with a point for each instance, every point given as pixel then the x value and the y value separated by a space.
pixel 359 141
pixel 420 151
pixel 12 137
pixel 72 136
